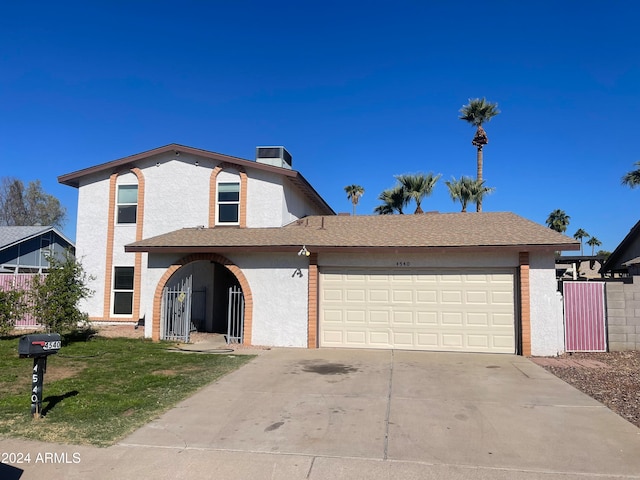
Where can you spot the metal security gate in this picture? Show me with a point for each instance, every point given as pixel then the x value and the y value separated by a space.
pixel 176 312
pixel 584 317
pixel 235 316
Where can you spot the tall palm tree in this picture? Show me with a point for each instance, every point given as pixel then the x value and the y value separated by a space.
pixel 417 186
pixel 354 192
pixel 632 179
pixel 558 221
pixel 477 112
pixel 466 190
pixel 478 191
pixel 593 242
pixel 579 235
pixel 393 200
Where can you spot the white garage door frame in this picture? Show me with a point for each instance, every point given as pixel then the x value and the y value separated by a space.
pixel 456 309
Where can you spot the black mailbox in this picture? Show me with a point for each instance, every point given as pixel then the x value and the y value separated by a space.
pixel 39 345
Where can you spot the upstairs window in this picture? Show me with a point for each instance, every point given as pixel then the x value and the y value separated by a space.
pixel 127 203
pixel 123 290
pixel 228 202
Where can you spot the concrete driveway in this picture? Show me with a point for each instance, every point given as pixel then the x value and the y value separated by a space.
pixel 350 414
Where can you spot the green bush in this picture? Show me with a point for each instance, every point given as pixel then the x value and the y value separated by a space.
pixel 12 308
pixel 56 295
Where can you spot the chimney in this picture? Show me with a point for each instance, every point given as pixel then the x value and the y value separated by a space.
pixel 276 156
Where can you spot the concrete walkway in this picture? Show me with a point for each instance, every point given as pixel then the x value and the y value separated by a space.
pixel 350 414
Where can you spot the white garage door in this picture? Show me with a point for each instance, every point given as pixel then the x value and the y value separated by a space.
pixel 448 310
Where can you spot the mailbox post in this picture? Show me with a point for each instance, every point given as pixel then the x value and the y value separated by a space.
pixel 38 347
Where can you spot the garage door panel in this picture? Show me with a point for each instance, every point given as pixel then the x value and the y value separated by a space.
pixel 502 320
pixel 332 295
pixel 403 339
pixel 478 319
pixel 380 317
pixel 426 318
pixel 478 341
pixel 356 337
pixel 355 316
pixel 451 296
pixel 402 296
pixel 451 318
pixel 477 297
pixel 355 295
pixel 501 298
pixel 417 309
pixel 427 341
pixel 452 340
pixel 427 296
pixel 377 295
pixel 333 316
pixel 380 338
pixel 402 318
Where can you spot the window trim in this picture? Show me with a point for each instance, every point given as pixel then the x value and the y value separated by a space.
pixel 115 291
pixel 219 203
pixel 119 204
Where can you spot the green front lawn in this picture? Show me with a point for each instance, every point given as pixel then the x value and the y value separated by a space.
pixel 98 391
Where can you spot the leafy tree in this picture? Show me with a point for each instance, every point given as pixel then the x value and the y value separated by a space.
pixel 579 235
pixel 558 221
pixel 12 307
pixel 478 112
pixel 20 206
pixel 632 178
pixel 393 200
pixel 603 253
pixel 417 187
pixel 354 192
pixel 593 242
pixel 57 294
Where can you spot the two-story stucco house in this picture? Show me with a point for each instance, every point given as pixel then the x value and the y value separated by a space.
pixel 188 239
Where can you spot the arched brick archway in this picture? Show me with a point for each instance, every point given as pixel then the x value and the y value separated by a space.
pixel 196 257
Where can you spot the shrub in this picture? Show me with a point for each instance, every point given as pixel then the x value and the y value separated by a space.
pixel 56 295
pixel 12 307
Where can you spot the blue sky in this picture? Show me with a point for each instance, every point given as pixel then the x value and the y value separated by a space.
pixel 357 92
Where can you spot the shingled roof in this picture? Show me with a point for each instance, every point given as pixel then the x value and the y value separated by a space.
pixel 293 176
pixel 470 231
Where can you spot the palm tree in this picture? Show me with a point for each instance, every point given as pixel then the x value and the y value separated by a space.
pixel 477 112
pixel 593 242
pixel 579 235
pixel 632 179
pixel 558 221
pixel 417 186
pixel 393 200
pixel 467 190
pixel 354 192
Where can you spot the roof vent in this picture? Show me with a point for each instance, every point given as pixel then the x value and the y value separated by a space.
pixel 276 156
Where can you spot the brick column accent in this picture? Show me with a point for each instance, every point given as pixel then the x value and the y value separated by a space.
pixel 243 199
pixel 312 309
pixel 213 182
pixel 525 304
pixel 137 267
pixel 108 261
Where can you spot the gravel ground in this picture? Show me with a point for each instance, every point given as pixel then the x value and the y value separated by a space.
pixel 612 378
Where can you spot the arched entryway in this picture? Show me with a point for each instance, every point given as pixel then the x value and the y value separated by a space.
pixel 202 292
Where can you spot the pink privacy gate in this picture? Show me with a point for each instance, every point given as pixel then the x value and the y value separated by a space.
pixel 584 317
pixel 21 281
